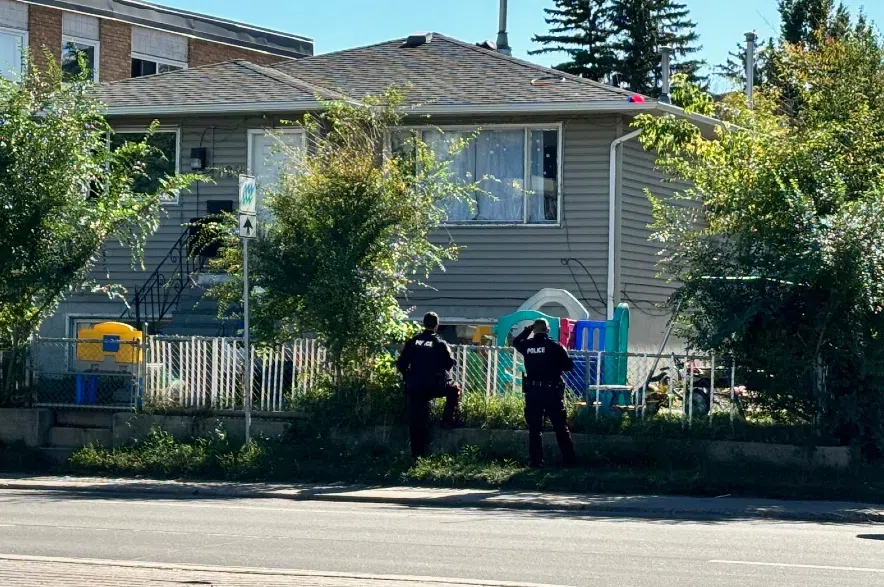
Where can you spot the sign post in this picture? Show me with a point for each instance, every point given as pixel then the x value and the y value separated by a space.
pixel 247 230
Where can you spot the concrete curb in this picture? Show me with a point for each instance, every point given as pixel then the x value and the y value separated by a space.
pixel 681 508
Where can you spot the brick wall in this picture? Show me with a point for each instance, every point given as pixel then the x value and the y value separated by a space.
pixel 44 28
pixel 44 32
pixel 206 53
pixel 116 49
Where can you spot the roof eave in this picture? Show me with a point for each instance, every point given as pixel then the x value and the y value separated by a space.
pixel 228 108
pixel 533 108
pixel 606 106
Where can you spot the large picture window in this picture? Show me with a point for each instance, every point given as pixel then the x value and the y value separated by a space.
pixel 521 166
pixel 163 159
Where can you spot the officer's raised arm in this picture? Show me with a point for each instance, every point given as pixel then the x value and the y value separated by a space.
pixel 520 343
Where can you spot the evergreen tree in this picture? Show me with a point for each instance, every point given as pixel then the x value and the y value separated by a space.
pixel 803 21
pixel 581 29
pixel 734 69
pixel 642 27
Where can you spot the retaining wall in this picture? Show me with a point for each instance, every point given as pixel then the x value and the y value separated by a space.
pixel 32 425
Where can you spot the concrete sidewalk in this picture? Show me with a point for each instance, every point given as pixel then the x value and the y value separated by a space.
pixel 702 508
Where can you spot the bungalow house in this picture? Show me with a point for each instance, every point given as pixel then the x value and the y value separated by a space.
pixel 582 227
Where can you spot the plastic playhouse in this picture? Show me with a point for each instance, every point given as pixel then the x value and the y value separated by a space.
pixel 601 349
pixel 108 348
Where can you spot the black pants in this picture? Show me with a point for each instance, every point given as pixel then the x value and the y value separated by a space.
pixel 543 401
pixel 419 413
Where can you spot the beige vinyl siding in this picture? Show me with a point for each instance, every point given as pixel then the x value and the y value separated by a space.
pixel 638 282
pixel 226 143
pixel 225 140
pixel 502 266
pixel 499 267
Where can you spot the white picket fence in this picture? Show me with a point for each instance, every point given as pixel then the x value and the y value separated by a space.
pixel 207 373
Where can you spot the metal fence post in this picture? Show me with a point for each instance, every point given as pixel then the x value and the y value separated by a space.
pixel 712 387
pixel 645 392
pixel 598 383
pixel 142 367
pixel 690 392
pixel 733 387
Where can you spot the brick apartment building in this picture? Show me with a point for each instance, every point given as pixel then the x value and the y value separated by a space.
pixel 130 38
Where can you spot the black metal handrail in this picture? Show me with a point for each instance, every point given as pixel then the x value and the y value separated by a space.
pixel 161 292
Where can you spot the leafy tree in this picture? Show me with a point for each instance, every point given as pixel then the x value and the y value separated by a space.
pixel 778 243
pixel 642 28
pixel 350 234
pixel 582 30
pixel 62 195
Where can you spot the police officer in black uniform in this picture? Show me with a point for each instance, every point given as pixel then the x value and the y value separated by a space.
pixel 545 361
pixel 425 363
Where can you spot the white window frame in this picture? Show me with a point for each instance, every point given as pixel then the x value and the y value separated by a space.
pixel 158 60
pixel 65 39
pixel 24 40
pixel 528 127
pixel 174 198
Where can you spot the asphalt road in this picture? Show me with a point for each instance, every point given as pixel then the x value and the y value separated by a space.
pixel 520 546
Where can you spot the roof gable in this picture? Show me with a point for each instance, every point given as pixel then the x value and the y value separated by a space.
pixel 445 71
pixel 235 84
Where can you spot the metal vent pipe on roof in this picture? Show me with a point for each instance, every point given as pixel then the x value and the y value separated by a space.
pixel 665 68
pixel 503 43
pixel 750 67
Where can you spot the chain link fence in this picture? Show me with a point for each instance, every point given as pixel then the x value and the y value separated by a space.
pixel 85 373
pixel 205 373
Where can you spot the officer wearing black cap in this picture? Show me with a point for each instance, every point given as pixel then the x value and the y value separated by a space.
pixel 425 362
pixel 545 361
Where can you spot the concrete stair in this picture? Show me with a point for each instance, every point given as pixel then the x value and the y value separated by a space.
pixel 68 437
pixel 74 429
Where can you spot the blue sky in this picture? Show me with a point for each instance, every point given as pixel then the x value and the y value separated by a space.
pixel 339 24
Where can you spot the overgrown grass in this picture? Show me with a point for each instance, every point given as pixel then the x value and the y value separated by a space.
pixel 506 412
pixel 312 457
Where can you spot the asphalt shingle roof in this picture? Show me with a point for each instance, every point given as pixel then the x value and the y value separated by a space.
pixel 446 71
pixel 231 82
pixel 443 72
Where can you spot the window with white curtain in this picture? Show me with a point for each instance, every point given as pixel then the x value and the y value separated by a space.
pixel 517 168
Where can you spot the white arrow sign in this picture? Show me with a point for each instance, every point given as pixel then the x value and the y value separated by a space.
pixel 247 195
pixel 248 226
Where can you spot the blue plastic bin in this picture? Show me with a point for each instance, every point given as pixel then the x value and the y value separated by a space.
pixel 86 392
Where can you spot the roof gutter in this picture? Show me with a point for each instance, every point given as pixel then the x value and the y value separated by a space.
pixel 533 108
pixel 230 108
pixel 613 181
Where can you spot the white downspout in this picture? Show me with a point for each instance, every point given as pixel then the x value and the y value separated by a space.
pixel 612 215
